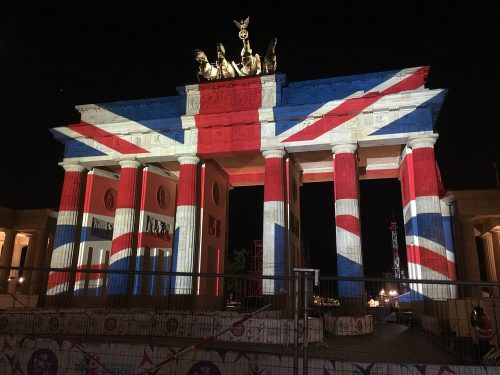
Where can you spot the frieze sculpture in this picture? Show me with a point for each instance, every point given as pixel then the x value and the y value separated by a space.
pixel 250 64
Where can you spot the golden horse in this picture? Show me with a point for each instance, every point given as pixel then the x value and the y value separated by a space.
pixel 206 70
pixel 222 68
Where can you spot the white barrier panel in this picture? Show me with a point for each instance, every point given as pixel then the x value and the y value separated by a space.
pixel 27 355
pixel 349 325
pixel 107 322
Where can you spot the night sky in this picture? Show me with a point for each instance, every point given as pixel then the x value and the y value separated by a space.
pixel 53 57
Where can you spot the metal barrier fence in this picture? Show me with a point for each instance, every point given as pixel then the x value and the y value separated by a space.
pixel 99 288
pixel 406 321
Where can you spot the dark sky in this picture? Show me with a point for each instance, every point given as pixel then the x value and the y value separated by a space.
pixel 53 57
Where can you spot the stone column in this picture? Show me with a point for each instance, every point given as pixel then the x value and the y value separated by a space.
pixel 489 257
pixel 348 229
pixel 273 240
pixel 6 257
pixel 185 225
pixel 66 237
pixel 427 254
pixel 38 261
pixel 495 238
pixel 30 276
pixel 469 256
pixel 124 228
pixel 45 261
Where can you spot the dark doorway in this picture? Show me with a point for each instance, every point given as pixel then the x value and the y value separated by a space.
pixel 246 208
pixel 380 203
pixel 318 226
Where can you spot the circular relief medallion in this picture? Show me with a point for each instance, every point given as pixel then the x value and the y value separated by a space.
pixel 43 362
pixel 204 367
pixel 216 193
pixel 162 197
pixel 238 330
pixel 110 324
pixel 294 190
pixel 110 199
pixel 172 325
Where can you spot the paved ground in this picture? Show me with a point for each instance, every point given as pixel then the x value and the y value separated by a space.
pixel 390 342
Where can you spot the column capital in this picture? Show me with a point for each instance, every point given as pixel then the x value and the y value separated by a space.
pixel 486 235
pixel 70 167
pixel 129 163
pixel 423 141
pixel 188 159
pixel 344 148
pixel 276 153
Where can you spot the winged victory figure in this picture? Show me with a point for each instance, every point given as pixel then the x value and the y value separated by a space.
pixel 242 26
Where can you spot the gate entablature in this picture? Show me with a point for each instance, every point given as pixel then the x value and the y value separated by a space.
pixel 225 118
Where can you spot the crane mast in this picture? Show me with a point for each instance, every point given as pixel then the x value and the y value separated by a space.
pixel 395 251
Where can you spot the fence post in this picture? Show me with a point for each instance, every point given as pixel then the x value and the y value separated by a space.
pixel 296 325
pixel 305 326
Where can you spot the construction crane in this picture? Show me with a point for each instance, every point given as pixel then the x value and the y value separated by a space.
pixel 395 252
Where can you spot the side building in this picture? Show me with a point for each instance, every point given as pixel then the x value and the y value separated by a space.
pixel 26 240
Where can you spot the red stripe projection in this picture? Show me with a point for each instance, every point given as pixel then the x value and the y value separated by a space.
pixel 380 173
pixel 202 200
pixel 348 223
pixel 223 97
pixel 88 193
pixel 407 180
pixel 424 163
pixel 145 187
pixel 152 195
pixel 127 188
pixel 452 273
pixel 287 171
pixel 122 242
pixel 346 177
pixel 317 176
pixel 223 141
pixel 146 239
pixel 246 179
pixel 187 185
pixel 71 191
pixel 352 107
pixel 91 276
pixel 428 258
pixel 57 278
pixel 273 180
pixel 95 194
pixel 108 139
pixel 224 104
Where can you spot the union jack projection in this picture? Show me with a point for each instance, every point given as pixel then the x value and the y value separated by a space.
pixel 270 118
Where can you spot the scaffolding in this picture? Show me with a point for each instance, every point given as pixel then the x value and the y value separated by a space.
pixel 253 284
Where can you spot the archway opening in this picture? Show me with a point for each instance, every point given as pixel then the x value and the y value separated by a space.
pixel 244 255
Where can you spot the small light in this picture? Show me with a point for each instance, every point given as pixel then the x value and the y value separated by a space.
pixel 21 279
